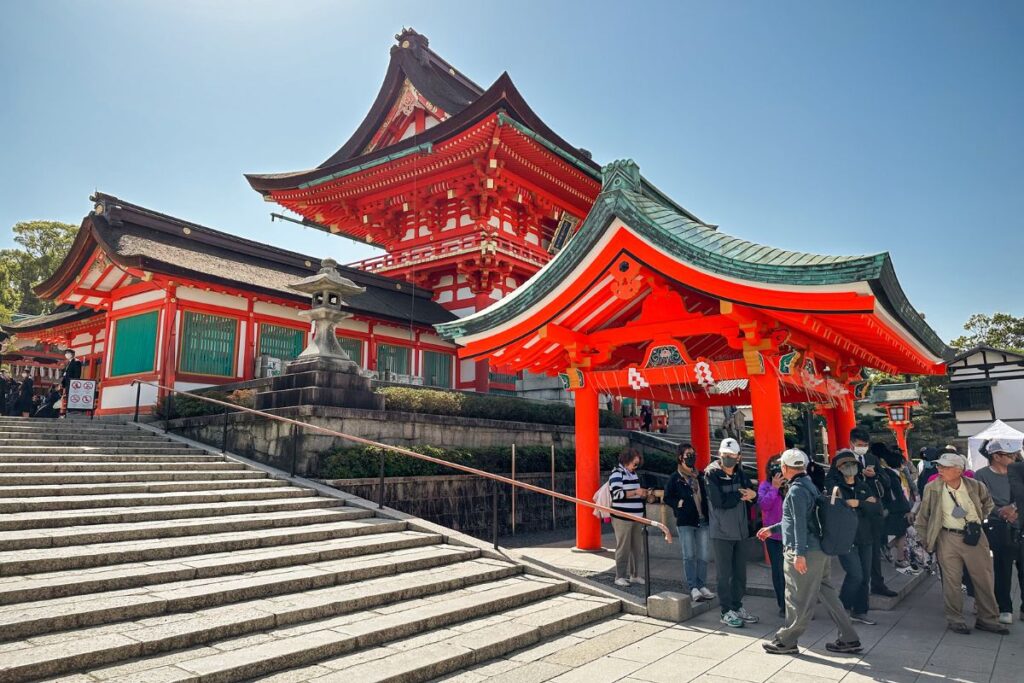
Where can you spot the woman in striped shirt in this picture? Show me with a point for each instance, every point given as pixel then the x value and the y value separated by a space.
pixel 627 496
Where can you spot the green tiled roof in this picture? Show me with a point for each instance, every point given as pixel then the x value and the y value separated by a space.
pixel 894 393
pixel 626 196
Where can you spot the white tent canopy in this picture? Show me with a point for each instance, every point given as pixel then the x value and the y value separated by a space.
pixel 996 430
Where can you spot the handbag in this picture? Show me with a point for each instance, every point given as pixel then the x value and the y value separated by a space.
pixel 972 533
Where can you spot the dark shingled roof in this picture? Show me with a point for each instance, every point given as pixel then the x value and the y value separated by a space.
pixel 65 313
pixel 134 236
pixel 895 393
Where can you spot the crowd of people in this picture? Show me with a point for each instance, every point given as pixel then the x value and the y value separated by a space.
pixel 939 516
pixel 18 396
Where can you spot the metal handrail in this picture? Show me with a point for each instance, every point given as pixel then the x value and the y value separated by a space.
pixel 413 454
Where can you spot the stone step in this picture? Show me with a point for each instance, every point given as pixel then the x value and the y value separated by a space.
pixel 48 585
pixel 82 437
pixel 303 499
pixel 397 605
pixel 69 428
pixel 143 465
pixel 25 620
pixel 106 449
pixel 196 484
pixel 36 560
pixel 131 499
pixel 20 479
pixel 107 458
pixel 136 531
pixel 440 651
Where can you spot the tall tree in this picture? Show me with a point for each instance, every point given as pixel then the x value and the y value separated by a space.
pixel 43 245
pixel 1001 330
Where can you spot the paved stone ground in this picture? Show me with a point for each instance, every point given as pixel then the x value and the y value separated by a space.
pixel 909 645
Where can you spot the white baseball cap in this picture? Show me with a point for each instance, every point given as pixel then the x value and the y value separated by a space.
pixel 794 457
pixel 729 446
pixel 1002 446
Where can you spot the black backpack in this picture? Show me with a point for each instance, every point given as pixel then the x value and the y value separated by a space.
pixel 837 523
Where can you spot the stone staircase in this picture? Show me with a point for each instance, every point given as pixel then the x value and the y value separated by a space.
pixel 125 556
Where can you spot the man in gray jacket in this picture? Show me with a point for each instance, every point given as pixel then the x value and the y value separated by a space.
pixel 807 569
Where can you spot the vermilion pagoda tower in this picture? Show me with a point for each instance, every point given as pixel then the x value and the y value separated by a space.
pixel 466 189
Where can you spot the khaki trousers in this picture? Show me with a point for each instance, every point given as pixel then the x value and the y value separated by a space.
pixel 803 591
pixel 953 555
pixel 629 550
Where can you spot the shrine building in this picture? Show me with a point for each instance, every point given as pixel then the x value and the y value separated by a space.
pixel 186 306
pixel 645 301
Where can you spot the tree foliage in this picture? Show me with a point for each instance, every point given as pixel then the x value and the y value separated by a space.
pixel 1001 330
pixel 42 247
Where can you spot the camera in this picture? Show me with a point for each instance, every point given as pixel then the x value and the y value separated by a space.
pixel 774 469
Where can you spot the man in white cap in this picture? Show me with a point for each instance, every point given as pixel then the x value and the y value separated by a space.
pixel 1003 525
pixel 949 524
pixel 730 491
pixel 808 570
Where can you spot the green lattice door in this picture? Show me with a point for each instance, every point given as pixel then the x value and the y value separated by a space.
pixel 208 344
pixel 134 344
pixel 437 369
pixel 280 342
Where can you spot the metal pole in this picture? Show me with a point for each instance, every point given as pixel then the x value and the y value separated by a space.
pixel 224 434
pixel 647 563
pixel 380 489
pixel 295 448
pixel 513 490
pixel 554 521
pixel 494 513
pixel 138 397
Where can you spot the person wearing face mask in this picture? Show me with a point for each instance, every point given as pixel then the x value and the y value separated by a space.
pixel 857 563
pixel 629 497
pixel 860 444
pixel 770 494
pixel 730 491
pixel 686 494
pixel 1003 525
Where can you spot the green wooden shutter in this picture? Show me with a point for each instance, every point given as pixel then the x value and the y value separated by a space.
pixel 208 344
pixel 134 344
pixel 353 347
pixel 393 358
pixel 280 342
pixel 437 369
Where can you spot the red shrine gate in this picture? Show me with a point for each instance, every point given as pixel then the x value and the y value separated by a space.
pixel 647 302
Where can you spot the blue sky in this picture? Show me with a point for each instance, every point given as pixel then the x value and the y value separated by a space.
pixel 828 127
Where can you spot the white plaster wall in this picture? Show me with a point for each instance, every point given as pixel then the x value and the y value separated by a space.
pixel 212 298
pixel 276 310
pixel 434 339
pixel 123 396
pixel 353 325
pixel 1008 400
pixel 393 332
pixel 467 371
pixel 136 299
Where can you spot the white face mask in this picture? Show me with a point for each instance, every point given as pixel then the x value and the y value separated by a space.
pixel 860 450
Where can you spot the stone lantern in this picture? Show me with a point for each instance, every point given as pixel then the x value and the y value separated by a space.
pixel 323 374
pixel 327 290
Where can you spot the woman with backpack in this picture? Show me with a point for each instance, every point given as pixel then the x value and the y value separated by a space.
pixel 857 563
pixel 686 494
pixel 627 496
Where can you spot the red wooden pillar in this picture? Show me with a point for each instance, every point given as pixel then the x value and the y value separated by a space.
pixel 588 467
pixel 249 353
pixel 168 340
pixel 830 427
pixel 700 435
pixel 769 433
pixel 846 419
pixel 482 382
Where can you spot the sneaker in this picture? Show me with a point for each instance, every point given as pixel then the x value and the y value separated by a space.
pixel 708 595
pixel 862 619
pixel 992 628
pixel 1005 617
pixel 637 580
pixel 853 647
pixel 730 619
pixel 622 583
pixel 908 570
pixel 696 596
pixel 777 648
pixel 746 616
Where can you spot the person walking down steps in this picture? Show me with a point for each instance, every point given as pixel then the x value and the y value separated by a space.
pixel 808 569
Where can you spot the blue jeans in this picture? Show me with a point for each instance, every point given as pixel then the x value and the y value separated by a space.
pixel 696 546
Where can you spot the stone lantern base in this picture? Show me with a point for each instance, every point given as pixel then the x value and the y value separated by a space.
pixel 320 381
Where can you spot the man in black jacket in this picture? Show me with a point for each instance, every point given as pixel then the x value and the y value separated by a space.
pixel 857 563
pixel 72 370
pixel 687 495
pixel 6 386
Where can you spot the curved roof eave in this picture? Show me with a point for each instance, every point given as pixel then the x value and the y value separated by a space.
pixel 76 257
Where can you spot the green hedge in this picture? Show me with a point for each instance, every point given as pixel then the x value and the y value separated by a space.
pixel 507 408
pixel 364 461
pixel 187 406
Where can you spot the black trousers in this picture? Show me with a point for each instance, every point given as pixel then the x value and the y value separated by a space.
pixel 731 567
pixel 777 559
pixel 857 565
pixel 877 580
pixel 1004 557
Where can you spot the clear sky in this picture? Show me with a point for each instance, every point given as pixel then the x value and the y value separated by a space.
pixel 821 126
